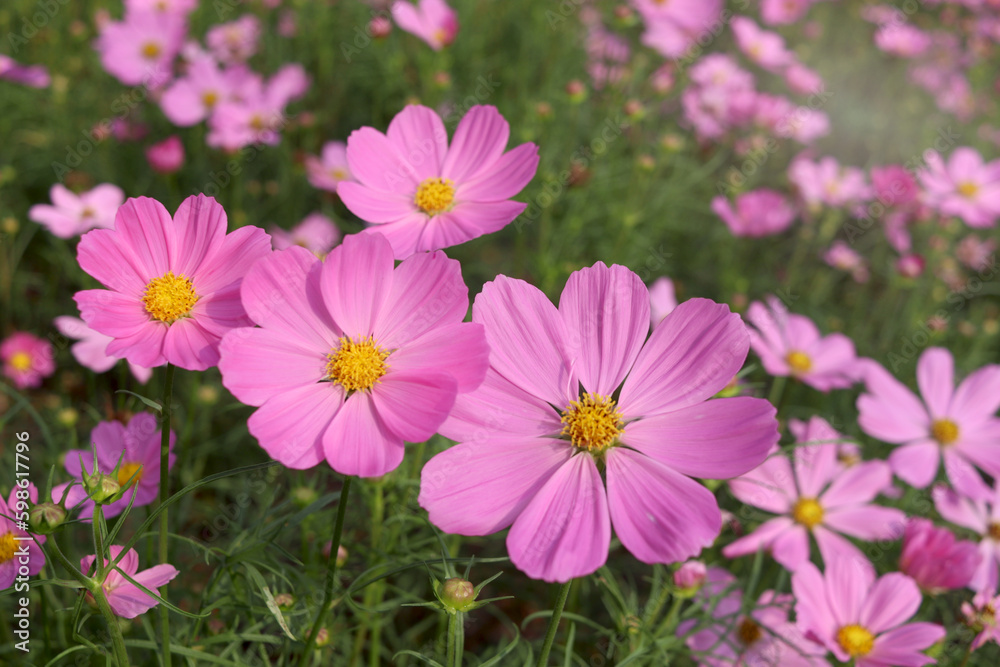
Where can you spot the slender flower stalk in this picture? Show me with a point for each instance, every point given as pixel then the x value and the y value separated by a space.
pixel 550 634
pixel 168 386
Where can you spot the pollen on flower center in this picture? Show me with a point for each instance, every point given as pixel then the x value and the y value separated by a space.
pixel 126 471
pixel 968 189
pixel 435 195
pixel 592 423
pixel 856 640
pixel 357 365
pixel 8 545
pixel 798 361
pixel 749 632
pixel 169 297
pixel 150 50
pixel 808 512
pixel 994 530
pixel 945 431
pixel 209 98
pixel 21 361
pixel 87 212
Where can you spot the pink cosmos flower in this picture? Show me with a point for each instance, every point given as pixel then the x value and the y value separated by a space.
pixel 424 195
pixel 316 233
pixel 236 41
pixel 90 351
pixel 902 39
pixel 431 20
pixel 774 12
pixel 957 425
pixel 27 359
pixel 790 344
pixel 258 114
pixel 71 215
pixel 173 284
pixel 910 265
pixel 167 156
pixel 758 213
pixel 532 436
pixel 863 619
pixel 803 80
pixel 182 7
pixel 35 76
pixel 965 187
pixel 674 27
pixel 763 637
pixel 17 549
pixel 140 444
pixel 767 49
pixel 352 357
pixel 826 182
pixel 690 576
pixel 894 185
pixel 822 498
pixel 125 598
pixel 842 256
pixel 141 49
pixel 983 517
pixel 935 560
pixel 330 168
pixel 662 300
pixel 981 615
pixel 193 97
pixel 976 253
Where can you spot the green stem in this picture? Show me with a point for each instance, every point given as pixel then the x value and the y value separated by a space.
pixel 331 573
pixel 670 622
pixel 165 415
pixel 777 391
pixel 456 639
pixel 96 521
pixel 550 634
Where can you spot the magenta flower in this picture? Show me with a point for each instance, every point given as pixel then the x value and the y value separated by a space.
pixel 424 195
pixel 27 359
pixel 431 20
pixel 662 300
pixel 17 548
pixel 674 27
pixel 822 498
pixel 90 350
pixel 140 444
pixel 767 49
pixel 894 185
pixel 167 156
pixel 316 233
pixel 791 345
pixel 532 436
pixel 983 517
pixel 330 168
pixel 758 213
pixel 141 49
pixel 981 615
pixel 957 425
pixel 125 598
pixel 236 41
pixel 965 187
pixel 173 285
pixel 863 619
pixel 35 76
pixel 352 357
pixel 72 215
pixel 690 576
pixel 935 560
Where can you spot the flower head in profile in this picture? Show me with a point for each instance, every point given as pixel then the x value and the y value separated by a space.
pixel 431 20
pixel 957 425
pixel 125 598
pixel 935 559
pixel 352 357
pixel 758 213
pixel 981 516
pixel 316 233
pixel 36 76
pixel 330 168
pixel 71 215
pixel 173 284
pixel 423 194
pixel 138 447
pixel 577 386
pixel 27 359
pixel 981 616
pixel 15 542
pixel 964 186
pixel 167 156
pixel 91 346
pixel 861 618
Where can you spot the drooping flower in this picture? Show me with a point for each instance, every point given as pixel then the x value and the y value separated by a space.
pixel 791 345
pixel 758 213
pixel 935 559
pixel 17 548
pixel 983 517
pixel 125 598
pixel 352 357
pixel 822 498
pixel 167 156
pixel 72 215
pixel 90 350
pixel 965 186
pixel 316 233
pixel 27 359
pixel 662 299
pixel 140 444
pixel 431 20
pixel 863 619
pixel 423 194
pixel 173 284
pixel 532 436
pixel 981 616
pixel 330 168
pixel 957 425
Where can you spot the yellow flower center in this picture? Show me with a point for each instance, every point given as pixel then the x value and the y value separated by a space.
pixel 357 365
pixel 968 189
pixel 169 297
pixel 994 531
pixel 257 122
pixel 945 431
pixel 209 98
pixel 125 474
pixel 808 512
pixel 749 632
pixel 87 212
pixel 21 361
pixel 8 545
pixel 799 362
pixel 435 195
pixel 856 640
pixel 150 50
pixel 338 174
pixel 592 423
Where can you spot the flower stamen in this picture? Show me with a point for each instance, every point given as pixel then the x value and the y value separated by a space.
pixel 435 195
pixel 357 365
pixel 592 423
pixel 169 297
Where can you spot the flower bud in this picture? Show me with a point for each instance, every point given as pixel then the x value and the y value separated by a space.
pixel 102 488
pixel 303 496
pixel 285 601
pixel 457 594
pixel 45 518
pixel 690 577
